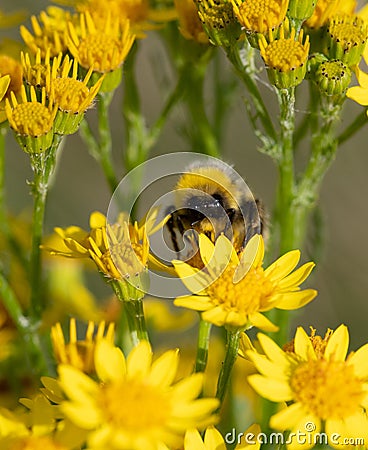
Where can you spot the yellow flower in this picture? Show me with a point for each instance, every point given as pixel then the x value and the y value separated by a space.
pixel 257 16
pixel 285 58
pixel 101 46
pixel 48 31
pixel 234 292
pixel 79 353
pixel 134 405
pixel 324 388
pixel 359 93
pixel 119 250
pixel 31 120
pixel 213 440
pixel 12 67
pixel 139 12
pixel 189 24
pixel 35 73
pixel 325 9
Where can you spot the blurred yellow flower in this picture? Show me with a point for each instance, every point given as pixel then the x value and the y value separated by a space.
pixel 325 9
pixel 12 67
pixel 134 404
pixel 48 31
pixel 190 25
pixel 234 291
pixel 79 353
pixel 359 93
pixel 325 388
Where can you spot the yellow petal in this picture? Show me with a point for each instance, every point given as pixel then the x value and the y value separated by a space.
pixel 297 277
pixel 359 360
pixel 295 300
pixel 338 344
pixel 4 84
pixel 109 361
pixel 217 316
pixel 249 439
pixel 213 439
pixel 262 322
pixel 97 220
pixel 254 252
pixel 288 417
pixel 267 367
pixel 193 279
pixel 196 302
pixel 358 94
pixel 362 77
pixel 164 369
pixel 303 346
pixel 272 350
pixel 193 440
pixel 139 361
pixel 76 384
pixel 274 390
pixel 82 415
pixel 283 266
pixel 188 388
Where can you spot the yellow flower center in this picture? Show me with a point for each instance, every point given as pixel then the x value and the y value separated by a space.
pixel 259 15
pixel 133 394
pixel 36 443
pixel 285 55
pixel 99 51
pixel 70 94
pixel 348 31
pixel 32 119
pixel 217 15
pixel 247 296
pixel 128 259
pixel 9 66
pixel 328 389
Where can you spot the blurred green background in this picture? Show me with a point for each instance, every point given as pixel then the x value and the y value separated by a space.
pixel 341 275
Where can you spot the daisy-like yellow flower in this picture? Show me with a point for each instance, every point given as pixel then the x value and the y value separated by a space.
pixel 190 25
pixel 257 16
pixel 35 72
pixel 234 291
pixel 101 46
pixel 359 93
pixel 79 353
pixel 325 388
pixel 135 403
pixel 49 31
pixel 72 96
pixel 31 120
pixel 285 57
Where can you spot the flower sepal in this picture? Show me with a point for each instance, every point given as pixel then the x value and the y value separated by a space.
pixel 67 122
pixel 35 144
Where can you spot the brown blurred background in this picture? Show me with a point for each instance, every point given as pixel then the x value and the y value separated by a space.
pixel 341 275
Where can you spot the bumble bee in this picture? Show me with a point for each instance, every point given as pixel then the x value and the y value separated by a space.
pixel 213 199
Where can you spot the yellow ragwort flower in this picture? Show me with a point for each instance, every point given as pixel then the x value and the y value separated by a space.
pixel 346 38
pixel 285 57
pixel 135 403
pixel 35 72
pixel 79 353
pixel 257 16
pixel 325 9
pixel 325 388
pixel 103 47
pixel 190 25
pixel 48 31
pixel 12 67
pixel 234 290
pixel 72 96
pixel 31 120
pixel 359 93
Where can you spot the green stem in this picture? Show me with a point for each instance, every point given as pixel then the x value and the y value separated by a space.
pixel 232 347
pixel 43 165
pixel 350 130
pixel 204 332
pixel 133 309
pixel 247 75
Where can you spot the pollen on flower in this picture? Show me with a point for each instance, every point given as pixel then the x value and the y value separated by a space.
pixel 260 15
pixel 314 385
pixel 246 296
pixel 135 394
pixel 319 343
pixel 69 93
pixel 283 54
pixel 31 119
